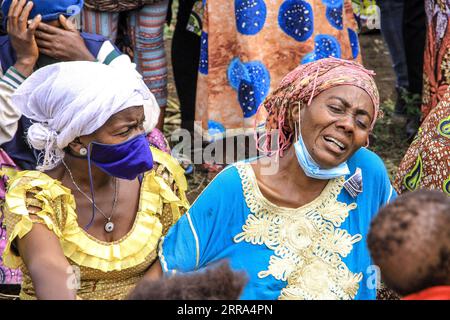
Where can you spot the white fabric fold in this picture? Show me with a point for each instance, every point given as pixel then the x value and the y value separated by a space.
pixel 72 99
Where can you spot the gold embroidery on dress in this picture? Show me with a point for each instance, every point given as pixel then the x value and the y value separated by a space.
pixel 307 242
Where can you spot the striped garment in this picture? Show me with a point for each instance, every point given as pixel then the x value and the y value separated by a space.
pixel 145 29
pixel 12 77
pixel 9 116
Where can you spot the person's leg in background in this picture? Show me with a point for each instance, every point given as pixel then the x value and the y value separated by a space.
pixel 185 60
pixel 414 33
pixel 146 29
pixel 392 31
pixel 103 23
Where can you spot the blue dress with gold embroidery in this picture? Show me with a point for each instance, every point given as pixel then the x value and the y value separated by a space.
pixel 317 251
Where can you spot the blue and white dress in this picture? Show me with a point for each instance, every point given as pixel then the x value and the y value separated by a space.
pixel 317 251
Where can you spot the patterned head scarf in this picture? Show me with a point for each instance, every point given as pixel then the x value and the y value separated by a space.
pixel 304 83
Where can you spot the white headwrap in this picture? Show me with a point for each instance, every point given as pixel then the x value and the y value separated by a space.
pixel 71 99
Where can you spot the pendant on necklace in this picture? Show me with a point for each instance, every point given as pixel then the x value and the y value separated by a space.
pixel 109 226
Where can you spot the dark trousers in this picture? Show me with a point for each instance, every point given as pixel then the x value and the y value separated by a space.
pixel 185 60
pixel 414 32
pixel 392 30
pixel 403 24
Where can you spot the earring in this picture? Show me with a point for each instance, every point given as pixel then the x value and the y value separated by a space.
pixel 83 151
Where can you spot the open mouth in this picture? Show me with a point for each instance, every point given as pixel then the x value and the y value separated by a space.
pixel 335 142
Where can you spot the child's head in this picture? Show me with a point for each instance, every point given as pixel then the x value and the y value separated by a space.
pixel 219 283
pixel 410 241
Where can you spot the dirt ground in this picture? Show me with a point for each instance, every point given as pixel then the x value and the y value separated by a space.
pixel 376 57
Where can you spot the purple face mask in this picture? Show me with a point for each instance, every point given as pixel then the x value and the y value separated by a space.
pixel 124 160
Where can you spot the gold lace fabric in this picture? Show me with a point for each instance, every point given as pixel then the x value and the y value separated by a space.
pixel 107 270
pixel 307 243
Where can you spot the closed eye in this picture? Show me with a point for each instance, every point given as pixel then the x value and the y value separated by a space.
pixel 335 109
pixel 124 133
pixel 137 125
pixel 362 124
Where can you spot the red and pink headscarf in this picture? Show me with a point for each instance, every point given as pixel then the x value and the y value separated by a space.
pixel 300 86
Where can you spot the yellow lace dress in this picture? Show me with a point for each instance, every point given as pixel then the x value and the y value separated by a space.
pixel 106 270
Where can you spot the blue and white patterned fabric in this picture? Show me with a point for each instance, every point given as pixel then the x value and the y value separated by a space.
pixel 317 251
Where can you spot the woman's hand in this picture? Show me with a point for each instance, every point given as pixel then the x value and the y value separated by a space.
pixel 65 44
pixel 22 35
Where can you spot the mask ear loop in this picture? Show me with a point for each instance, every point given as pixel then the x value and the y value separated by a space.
pixel 298 131
pixel 295 128
pixel 91 187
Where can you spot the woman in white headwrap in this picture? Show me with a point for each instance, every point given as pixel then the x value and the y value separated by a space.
pixel 87 224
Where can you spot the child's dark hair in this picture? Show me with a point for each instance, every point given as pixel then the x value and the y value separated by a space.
pixel 410 241
pixel 218 283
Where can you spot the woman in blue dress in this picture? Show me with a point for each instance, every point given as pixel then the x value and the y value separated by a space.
pixel 296 219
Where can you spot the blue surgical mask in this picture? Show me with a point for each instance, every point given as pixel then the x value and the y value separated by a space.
pixel 312 168
pixel 124 160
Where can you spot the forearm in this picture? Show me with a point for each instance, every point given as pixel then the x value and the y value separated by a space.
pixel 25 67
pixel 9 116
pixel 51 281
pixel 50 271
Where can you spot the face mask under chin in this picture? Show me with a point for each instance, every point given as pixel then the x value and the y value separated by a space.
pixel 311 168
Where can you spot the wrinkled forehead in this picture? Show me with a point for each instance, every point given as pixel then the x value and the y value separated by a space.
pixel 126 115
pixel 340 77
pixel 350 95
